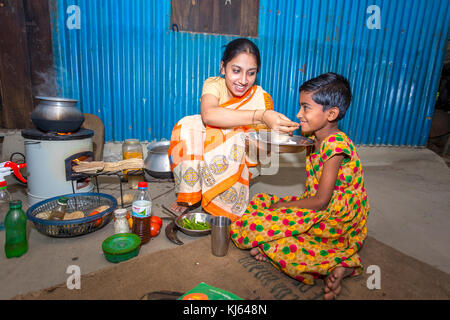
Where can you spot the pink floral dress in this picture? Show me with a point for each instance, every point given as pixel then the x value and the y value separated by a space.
pixel 308 244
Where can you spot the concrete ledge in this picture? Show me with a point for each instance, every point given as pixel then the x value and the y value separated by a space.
pixel 373 156
pixel 370 155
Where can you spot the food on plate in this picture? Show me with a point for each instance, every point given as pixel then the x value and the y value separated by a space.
pixel 101 208
pixel 290 142
pixel 193 224
pixel 280 137
pixel 127 198
pixel 74 215
pixel 44 215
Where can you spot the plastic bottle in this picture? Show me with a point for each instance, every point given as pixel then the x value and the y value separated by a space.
pixel 60 210
pixel 16 230
pixel 5 198
pixel 142 212
pixel 121 224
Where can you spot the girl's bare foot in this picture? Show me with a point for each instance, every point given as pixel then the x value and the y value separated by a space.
pixel 333 282
pixel 179 207
pixel 254 252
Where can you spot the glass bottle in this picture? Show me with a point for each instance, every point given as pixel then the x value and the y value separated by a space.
pixel 5 198
pixel 60 210
pixel 16 243
pixel 142 212
pixel 120 221
pixel 132 149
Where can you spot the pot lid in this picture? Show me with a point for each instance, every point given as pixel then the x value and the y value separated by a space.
pixel 56 99
pixel 121 243
pixel 159 147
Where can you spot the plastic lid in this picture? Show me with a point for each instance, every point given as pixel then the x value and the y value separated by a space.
pixel 121 243
pixel 62 200
pixel 142 184
pixel 2 184
pixel 132 141
pixel 120 212
pixel 15 204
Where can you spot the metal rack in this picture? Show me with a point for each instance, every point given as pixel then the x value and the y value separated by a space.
pixel 119 174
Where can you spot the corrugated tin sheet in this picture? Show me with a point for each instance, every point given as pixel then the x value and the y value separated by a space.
pixel 126 65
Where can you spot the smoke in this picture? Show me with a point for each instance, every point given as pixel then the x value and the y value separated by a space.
pixel 45 83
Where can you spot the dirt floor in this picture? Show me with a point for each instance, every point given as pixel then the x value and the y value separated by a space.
pixel 409 190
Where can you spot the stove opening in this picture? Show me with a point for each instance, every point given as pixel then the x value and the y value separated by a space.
pixel 81 179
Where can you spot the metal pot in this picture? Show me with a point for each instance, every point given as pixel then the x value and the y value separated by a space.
pixel 157 162
pixel 57 115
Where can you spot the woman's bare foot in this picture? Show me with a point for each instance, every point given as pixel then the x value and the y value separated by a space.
pixel 257 255
pixel 333 282
pixel 179 208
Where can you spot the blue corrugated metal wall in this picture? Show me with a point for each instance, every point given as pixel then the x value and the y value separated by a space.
pixel 124 63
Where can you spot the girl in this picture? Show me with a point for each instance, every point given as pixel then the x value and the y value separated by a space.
pixel 207 151
pixel 317 234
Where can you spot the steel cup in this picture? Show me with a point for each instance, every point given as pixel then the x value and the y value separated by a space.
pixel 220 235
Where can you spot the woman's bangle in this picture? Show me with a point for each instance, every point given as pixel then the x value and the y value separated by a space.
pixel 262 117
pixel 253 118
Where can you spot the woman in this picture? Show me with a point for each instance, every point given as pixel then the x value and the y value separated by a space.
pixel 207 151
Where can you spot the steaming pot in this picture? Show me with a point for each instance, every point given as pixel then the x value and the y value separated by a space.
pixel 54 114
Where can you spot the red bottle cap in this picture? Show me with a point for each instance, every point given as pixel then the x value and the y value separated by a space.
pixel 142 184
pixel 3 183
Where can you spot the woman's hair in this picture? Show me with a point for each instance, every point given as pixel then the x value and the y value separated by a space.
pixel 330 90
pixel 238 46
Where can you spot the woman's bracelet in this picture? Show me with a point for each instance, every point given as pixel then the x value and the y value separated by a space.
pixel 253 118
pixel 262 117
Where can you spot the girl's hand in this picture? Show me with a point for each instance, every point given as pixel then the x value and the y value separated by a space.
pixel 277 205
pixel 279 122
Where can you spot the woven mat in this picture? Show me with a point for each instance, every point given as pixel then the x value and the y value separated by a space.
pixel 182 268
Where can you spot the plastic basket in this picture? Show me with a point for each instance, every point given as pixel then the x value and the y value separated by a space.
pixel 85 202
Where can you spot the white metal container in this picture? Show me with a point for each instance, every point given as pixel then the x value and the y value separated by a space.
pixel 46 167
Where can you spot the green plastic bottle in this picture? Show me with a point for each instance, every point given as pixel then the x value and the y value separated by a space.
pixel 16 230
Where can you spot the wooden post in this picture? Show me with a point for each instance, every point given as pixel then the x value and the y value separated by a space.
pixel 26 60
pixel 15 75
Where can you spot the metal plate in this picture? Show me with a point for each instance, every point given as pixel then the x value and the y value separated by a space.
pixel 200 217
pixel 280 143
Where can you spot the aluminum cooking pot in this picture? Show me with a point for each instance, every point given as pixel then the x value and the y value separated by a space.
pixel 157 162
pixel 54 114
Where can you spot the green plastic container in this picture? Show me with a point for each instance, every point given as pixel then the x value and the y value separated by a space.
pixel 121 247
pixel 16 243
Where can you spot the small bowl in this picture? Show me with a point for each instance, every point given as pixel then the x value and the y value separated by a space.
pixel 200 217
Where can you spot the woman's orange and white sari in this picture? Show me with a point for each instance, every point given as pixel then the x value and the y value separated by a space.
pixel 211 164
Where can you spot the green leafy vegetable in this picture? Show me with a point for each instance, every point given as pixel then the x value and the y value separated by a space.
pixel 193 224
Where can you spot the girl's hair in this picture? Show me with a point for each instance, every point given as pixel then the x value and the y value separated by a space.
pixel 330 90
pixel 238 46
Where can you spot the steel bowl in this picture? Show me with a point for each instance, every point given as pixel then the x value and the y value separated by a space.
pixel 279 143
pixel 200 217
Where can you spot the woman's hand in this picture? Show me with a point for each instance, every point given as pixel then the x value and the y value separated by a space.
pixel 279 122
